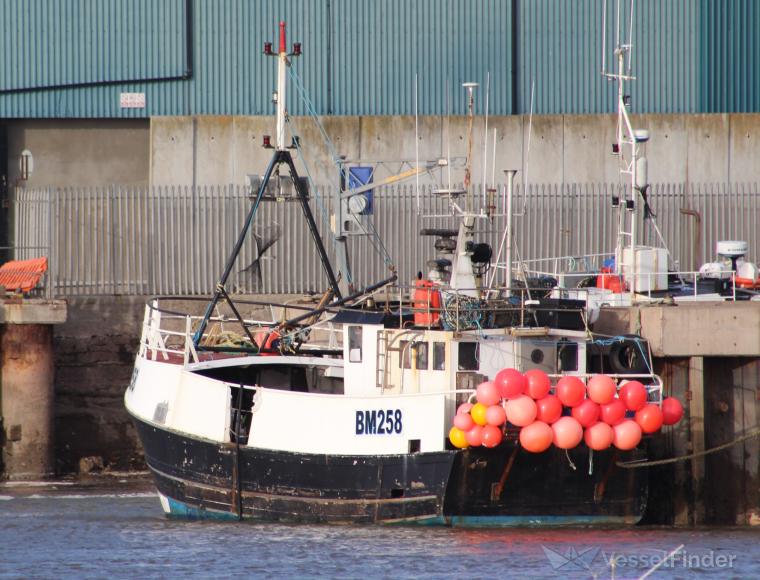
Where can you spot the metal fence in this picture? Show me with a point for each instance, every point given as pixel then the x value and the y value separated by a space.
pixel 175 240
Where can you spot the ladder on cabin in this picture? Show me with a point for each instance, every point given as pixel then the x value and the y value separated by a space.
pixel 381 360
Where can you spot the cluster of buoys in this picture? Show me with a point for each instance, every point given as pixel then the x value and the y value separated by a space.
pixel 600 413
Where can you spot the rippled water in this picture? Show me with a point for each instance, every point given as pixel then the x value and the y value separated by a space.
pixel 120 531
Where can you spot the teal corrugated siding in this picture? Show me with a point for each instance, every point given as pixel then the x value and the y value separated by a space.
pixel 730 56
pixel 561 52
pixel 379 46
pixel 72 58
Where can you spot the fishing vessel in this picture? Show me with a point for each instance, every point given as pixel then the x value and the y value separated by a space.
pixel 346 411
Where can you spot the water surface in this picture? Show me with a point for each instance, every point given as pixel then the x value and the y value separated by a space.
pixel 118 531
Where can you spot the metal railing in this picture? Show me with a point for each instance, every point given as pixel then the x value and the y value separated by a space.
pixel 175 240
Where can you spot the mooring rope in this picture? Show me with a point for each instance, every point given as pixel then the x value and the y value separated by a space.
pixel 636 464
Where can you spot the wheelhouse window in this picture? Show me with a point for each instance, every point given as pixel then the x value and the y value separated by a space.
pixel 439 356
pixel 469 356
pixel 405 355
pixel 355 344
pixel 421 350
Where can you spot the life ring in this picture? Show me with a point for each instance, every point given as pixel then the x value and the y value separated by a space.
pixel 627 357
pixel 267 341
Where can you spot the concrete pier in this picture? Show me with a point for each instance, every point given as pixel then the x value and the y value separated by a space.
pixel 27 386
pixel 708 355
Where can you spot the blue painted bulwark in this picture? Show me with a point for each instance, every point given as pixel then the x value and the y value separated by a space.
pixel 74 58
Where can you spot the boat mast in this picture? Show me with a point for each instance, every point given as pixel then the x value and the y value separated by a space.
pixel 280 156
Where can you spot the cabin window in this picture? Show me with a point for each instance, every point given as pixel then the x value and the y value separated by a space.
pixel 421 348
pixel 405 355
pixel 469 355
pixel 567 356
pixel 355 344
pixel 439 356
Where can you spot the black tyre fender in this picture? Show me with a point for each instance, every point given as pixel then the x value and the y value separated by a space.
pixel 629 356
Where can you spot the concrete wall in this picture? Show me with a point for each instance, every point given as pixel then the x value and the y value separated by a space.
pixel 84 152
pixel 563 148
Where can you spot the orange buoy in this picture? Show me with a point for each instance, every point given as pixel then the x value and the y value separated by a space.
pixel 598 436
pixel 521 411
pixel 549 409
pixel 538 384
pixel 601 389
pixel 649 418
pixel 511 383
pixel 570 391
pixel 672 411
pixel 626 435
pixel 567 433
pixel 536 437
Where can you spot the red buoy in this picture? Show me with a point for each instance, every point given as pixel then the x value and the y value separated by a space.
pixel 492 436
pixel 598 436
pixel 570 391
pixel 672 411
pixel 626 435
pixel 613 412
pixel 538 384
pixel 487 394
pixel 521 411
pixel 633 394
pixel 548 409
pixel 511 383
pixel 587 413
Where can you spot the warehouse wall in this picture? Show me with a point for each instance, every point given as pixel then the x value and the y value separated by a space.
pixel 92 152
pixel 213 150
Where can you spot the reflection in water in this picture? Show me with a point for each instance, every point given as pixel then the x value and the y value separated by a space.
pixel 95 534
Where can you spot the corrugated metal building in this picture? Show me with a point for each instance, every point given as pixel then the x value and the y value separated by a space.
pixel 74 58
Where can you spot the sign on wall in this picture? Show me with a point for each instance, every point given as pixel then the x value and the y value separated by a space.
pixel 132 100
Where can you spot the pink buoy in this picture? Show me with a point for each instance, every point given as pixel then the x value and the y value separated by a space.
pixel 672 411
pixel 649 418
pixel 521 411
pixel 612 413
pixel 538 384
pixel 587 413
pixel 626 435
pixel 536 437
pixel 487 394
pixel 474 436
pixel 492 436
pixel 511 383
pixel 599 436
pixel 601 389
pixel 548 409
pixel 496 415
pixel 464 408
pixel 570 391
pixel 633 394
pixel 463 421
pixel 567 433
